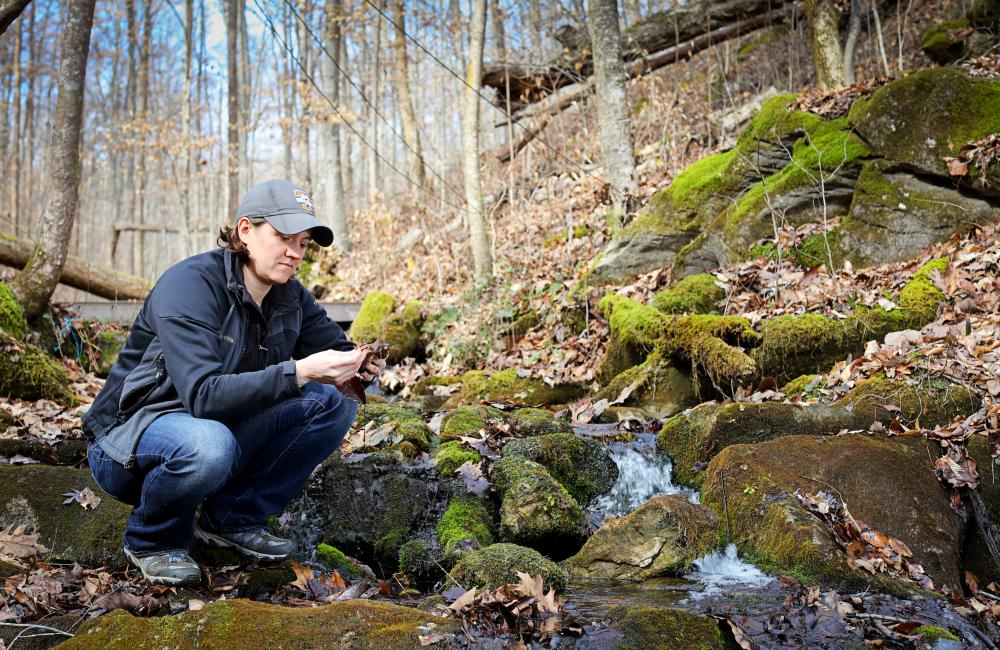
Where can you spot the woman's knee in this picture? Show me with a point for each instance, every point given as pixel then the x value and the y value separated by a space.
pixel 208 447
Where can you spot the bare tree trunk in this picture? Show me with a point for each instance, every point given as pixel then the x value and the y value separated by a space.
pixel 35 284
pixel 286 91
pixel 823 18
pixel 9 11
pixel 246 95
pixel 373 94
pixel 15 172
pixel 406 115
pixel 612 104
pixel 145 54
pixel 305 114
pixel 470 144
pixel 331 182
pixel 850 43
pixel 187 181
pixel 233 74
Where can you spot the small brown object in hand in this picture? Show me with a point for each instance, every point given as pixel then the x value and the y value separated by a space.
pixel 354 388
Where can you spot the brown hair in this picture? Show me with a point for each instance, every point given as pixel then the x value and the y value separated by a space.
pixel 229 238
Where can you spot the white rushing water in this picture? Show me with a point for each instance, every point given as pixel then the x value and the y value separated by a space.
pixel 642 475
pixel 719 571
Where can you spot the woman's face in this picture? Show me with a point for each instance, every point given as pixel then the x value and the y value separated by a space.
pixel 274 256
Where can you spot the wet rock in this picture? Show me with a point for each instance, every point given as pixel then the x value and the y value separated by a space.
pixel 885 482
pixel 467 421
pixel 33 495
pixel 659 628
pixel 241 623
pixel 658 386
pixel 535 509
pixel 497 565
pixel 66 452
pixel 403 421
pixel 583 467
pixel 976 556
pixel 369 508
pixel 662 537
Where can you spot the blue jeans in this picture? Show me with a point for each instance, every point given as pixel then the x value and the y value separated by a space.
pixel 241 473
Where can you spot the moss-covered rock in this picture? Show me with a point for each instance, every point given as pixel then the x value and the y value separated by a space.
pixel 618 357
pixel 662 537
pixel 466 525
pixel 369 508
pixel 885 482
pixel 34 495
pixel 660 387
pixel 675 216
pixel 794 345
pixel 334 559
pixel 467 421
pixel 28 373
pixel 694 294
pixel 506 385
pixel 241 623
pixel 801 386
pixel 11 314
pixel 109 344
pixel 404 421
pixel 377 320
pixel 583 467
pixel 894 214
pixel 929 115
pixel 928 404
pixel 432 392
pixel 945 42
pixel 659 628
pixel 452 454
pixel 264 580
pixel 528 422
pixel 417 560
pixel 535 509
pixel 497 565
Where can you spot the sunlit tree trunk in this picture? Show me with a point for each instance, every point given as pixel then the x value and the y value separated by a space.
pixel 330 176
pixel 304 113
pixel 823 17
pixel 470 144
pixel 374 92
pixel 406 115
pixel 35 284
pixel 613 124
pixel 851 41
pixel 187 180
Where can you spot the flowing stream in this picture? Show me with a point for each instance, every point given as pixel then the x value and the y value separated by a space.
pixel 643 474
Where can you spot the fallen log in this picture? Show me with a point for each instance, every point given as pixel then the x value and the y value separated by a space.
pixel 672 34
pixel 79 273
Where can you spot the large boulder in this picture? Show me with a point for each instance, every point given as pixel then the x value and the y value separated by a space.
pixel 378 320
pixel 370 507
pixel 657 385
pixel 662 537
pixel 242 623
pixel 887 483
pixel 498 565
pixel 927 116
pixel 33 495
pixel 535 509
pixel 583 467
pixel 692 438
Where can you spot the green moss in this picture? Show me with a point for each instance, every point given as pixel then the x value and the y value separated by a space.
pixel 333 558
pixel 920 297
pixel 404 421
pixel 527 422
pixel 467 421
pixel 416 560
pixel 451 455
pixel 497 565
pixel 928 404
pixel 658 628
pixel 535 508
pixel 818 250
pixel 506 385
pixel 799 386
pixel 375 310
pixel 933 633
pixel 942 43
pixel 465 525
pixel 524 323
pixel 694 294
pixel 659 386
pixel 11 314
pixel 581 466
pixel 238 623
pixel 28 373
pixel 633 323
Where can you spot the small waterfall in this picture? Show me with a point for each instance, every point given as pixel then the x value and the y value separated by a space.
pixel 642 475
pixel 719 571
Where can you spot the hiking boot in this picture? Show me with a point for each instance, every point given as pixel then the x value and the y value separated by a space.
pixel 259 543
pixel 167 568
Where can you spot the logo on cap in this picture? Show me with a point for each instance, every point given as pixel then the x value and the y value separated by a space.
pixel 304 201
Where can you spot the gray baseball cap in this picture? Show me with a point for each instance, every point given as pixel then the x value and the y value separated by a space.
pixel 285 206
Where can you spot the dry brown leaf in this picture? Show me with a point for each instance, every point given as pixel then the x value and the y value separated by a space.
pixel 14 542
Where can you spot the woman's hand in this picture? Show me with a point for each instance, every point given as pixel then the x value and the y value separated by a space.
pixel 372 369
pixel 329 366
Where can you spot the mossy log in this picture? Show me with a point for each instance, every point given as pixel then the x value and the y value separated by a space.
pixel 26 372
